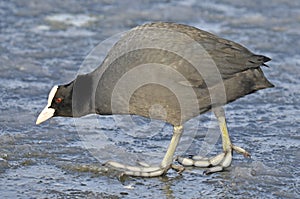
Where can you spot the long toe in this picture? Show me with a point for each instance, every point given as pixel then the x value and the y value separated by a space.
pixel 138 171
pixel 202 162
pixel 241 151
pixel 214 164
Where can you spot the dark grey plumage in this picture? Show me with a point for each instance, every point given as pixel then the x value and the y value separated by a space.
pixel 239 69
pixel 166 71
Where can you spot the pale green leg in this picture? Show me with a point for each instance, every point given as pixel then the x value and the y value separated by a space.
pixel 221 161
pixel 151 171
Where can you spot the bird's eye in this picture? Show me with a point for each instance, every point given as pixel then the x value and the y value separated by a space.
pixel 58 100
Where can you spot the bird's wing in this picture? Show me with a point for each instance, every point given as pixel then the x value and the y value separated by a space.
pixel 230 57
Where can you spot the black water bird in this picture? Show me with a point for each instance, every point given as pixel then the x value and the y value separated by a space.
pixel 174 70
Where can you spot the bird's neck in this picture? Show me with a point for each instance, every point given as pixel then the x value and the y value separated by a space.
pixel 83 95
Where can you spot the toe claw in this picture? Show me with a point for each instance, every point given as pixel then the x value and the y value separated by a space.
pixel 247 155
pixel 178 168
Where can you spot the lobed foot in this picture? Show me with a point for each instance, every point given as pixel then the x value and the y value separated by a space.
pixel 214 164
pixel 144 170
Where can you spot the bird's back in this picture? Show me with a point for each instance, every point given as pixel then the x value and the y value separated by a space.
pixel 174 72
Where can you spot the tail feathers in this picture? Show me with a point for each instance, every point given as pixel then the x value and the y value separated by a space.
pixel 265 59
pixel 258 60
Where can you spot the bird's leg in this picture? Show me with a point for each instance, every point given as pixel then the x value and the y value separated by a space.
pixel 151 171
pixel 221 161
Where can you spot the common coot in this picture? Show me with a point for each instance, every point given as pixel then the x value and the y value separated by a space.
pixel 181 70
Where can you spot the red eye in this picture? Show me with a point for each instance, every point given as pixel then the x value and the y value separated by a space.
pixel 58 100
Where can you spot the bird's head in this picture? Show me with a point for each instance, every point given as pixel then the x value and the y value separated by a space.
pixel 59 103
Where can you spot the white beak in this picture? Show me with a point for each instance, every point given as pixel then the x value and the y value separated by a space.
pixel 45 115
pixel 47 112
